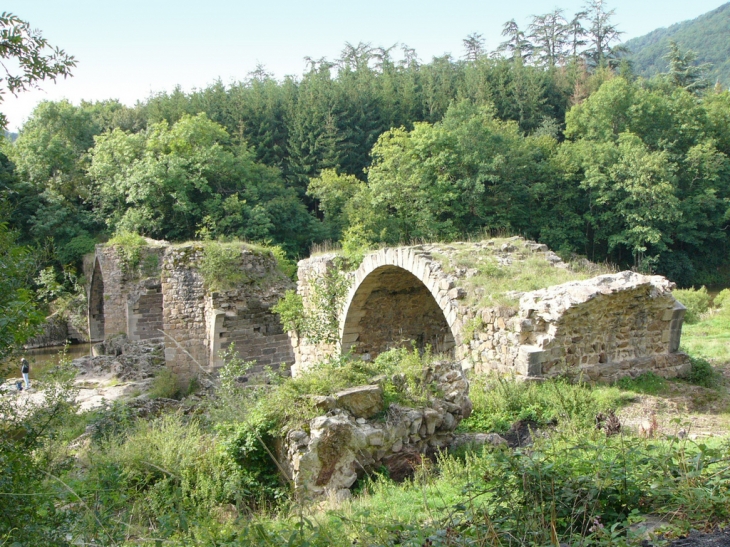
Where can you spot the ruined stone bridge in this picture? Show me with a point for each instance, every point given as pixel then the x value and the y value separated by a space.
pixel 505 305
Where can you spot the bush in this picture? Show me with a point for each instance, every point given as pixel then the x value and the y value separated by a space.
pixel 291 312
pixel 703 374
pixel 164 385
pixel 221 266
pixel 165 473
pixel 129 246
pixel 286 265
pixel 697 302
pixel 722 300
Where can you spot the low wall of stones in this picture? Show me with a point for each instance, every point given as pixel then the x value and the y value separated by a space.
pixel 600 328
pixel 347 443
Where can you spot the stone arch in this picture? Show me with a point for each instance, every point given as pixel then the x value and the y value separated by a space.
pixel 96 304
pixel 400 296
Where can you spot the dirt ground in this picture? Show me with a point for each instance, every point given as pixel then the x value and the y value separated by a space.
pixel 684 409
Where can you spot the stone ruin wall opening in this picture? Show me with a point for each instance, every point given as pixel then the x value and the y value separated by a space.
pixel 602 328
pixel 170 303
pixel 96 305
pixel 393 308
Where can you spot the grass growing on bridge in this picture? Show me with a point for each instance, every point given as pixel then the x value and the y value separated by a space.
pixel 493 277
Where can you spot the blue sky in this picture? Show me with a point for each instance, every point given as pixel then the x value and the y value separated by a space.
pixel 132 48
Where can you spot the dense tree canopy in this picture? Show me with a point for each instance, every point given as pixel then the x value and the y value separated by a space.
pixel 549 139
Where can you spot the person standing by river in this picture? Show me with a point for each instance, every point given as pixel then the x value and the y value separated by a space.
pixel 25 371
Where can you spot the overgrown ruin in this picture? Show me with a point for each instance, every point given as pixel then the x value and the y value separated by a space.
pixel 451 298
pixel 600 327
pixel 157 291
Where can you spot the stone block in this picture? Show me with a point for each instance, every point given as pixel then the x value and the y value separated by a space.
pixel 361 401
pixel 529 361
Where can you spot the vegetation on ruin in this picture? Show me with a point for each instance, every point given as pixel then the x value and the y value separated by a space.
pixel 566 147
pixel 201 476
pixel 220 264
pixel 320 320
pixel 492 282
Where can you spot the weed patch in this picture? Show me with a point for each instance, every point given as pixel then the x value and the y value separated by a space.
pixel 500 402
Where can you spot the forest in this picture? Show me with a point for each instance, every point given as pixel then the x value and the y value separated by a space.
pixel 551 137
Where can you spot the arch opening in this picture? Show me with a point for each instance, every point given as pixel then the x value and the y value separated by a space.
pixel 392 308
pixel 96 305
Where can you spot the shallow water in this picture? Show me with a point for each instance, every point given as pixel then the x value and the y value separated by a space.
pixel 42 358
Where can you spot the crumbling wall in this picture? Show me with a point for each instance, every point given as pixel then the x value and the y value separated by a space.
pixel 243 316
pixel 347 442
pixel 307 351
pixel 604 328
pixel 199 324
pixel 601 328
pixel 125 297
pixel 168 298
pixel 184 315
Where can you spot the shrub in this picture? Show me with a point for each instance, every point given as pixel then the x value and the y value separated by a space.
pixel 128 245
pixel 221 266
pixel 697 302
pixel 722 300
pixel 164 385
pixel 703 374
pixel 286 265
pixel 291 312
pixel 165 473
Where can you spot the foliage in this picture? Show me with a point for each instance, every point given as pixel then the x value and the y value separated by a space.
pixel 290 309
pixel 321 322
pixel 164 385
pixel 129 247
pixel 703 374
pixel 19 316
pixel 722 300
pixel 319 319
pixel 220 265
pixel 170 469
pixel 286 264
pixel 500 402
pixel 573 489
pixel 697 302
pixel 25 50
pixel 32 455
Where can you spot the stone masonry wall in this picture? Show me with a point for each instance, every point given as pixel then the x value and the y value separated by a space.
pixel 306 352
pixel 184 317
pixel 243 316
pixel 174 303
pixel 600 328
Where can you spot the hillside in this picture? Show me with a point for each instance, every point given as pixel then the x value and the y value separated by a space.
pixel 706 35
